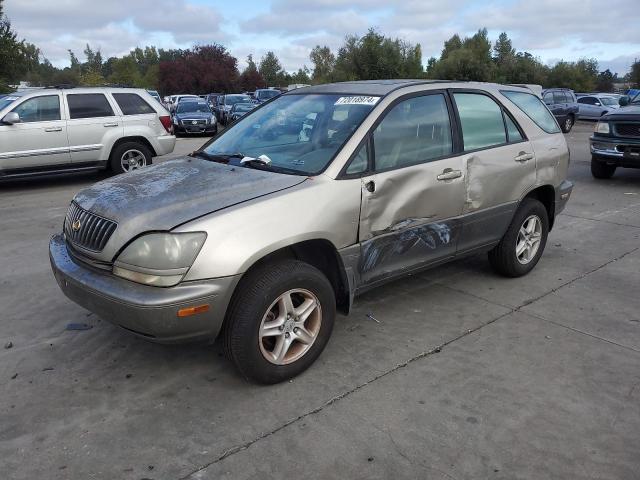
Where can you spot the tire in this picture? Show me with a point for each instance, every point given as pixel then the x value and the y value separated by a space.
pixel 601 169
pixel 135 151
pixel 567 125
pixel 259 302
pixel 504 258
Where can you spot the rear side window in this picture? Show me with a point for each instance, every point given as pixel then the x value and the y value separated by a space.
pixel 481 121
pixel 89 105
pixel 548 98
pixel 414 131
pixel 39 109
pixel 132 104
pixel 559 97
pixel 533 107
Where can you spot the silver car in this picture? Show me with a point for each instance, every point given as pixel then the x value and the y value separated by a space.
pixel 306 202
pixel 592 107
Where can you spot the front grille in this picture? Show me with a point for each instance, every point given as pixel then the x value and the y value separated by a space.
pixel 627 129
pixel 92 232
pixel 190 122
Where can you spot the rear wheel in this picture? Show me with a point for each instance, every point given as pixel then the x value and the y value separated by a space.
pixel 522 245
pixel 601 169
pixel 280 321
pixel 130 156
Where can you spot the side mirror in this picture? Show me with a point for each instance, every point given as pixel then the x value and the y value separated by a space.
pixel 11 118
pixel 624 100
pixel 597 104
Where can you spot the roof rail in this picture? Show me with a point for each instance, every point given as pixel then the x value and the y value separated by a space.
pixel 61 86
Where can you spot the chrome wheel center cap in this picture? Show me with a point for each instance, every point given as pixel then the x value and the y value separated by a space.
pixel 288 324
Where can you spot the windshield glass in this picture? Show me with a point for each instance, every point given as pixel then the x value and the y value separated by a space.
pixel 4 101
pixel 267 94
pixel 296 132
pixel 184 107
pixel 608 101
pixel 243 107
pixel 635 98
pixel 233 99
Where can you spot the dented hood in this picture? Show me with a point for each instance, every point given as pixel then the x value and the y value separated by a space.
pixel 169 194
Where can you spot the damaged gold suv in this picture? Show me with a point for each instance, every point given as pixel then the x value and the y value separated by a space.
pixel 307 201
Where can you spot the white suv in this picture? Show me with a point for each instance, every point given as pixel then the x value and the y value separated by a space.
pixel 60 130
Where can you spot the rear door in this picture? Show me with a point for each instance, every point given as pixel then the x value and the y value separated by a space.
pixel 40 139
pixel 92 125
pixel 412 198
pixel 137 115
pixel 499 164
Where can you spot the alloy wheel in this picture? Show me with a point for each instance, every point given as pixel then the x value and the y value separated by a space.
pixel 528 241
pixel 290 326
pixel 132 160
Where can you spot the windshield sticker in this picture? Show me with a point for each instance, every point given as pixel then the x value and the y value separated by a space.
pixel 359 100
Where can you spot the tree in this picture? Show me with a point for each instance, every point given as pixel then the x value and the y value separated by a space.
pixel 270 68
pixel 605 81
pixel 324 62
pixel 301 76
pixel 251 79
pixel 634 74
pixel 10 53
pixel 468 59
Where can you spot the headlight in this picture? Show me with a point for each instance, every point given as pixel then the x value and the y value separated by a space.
pixel 175 120
pixel 159 259
pixel 602 127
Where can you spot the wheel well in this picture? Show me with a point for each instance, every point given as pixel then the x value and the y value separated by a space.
pixel 322 255
pixel 546 194
pixel 141 140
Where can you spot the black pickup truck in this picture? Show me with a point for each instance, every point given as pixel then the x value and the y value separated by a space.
pixel 616 139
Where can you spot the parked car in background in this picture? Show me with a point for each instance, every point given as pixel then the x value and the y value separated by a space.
pixel 294 86
pixel 177 98
pixel 239 110
pixel 616 139
pixel 263 94
pixel 211 99
pixel 563 104
pixel 263 246
pixel 593 106
pixel 61 130
pixel 194 117
pixel 224 103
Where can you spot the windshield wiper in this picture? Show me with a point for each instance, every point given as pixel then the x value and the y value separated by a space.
pixel 216 157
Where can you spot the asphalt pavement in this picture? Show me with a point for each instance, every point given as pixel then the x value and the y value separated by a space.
pixel 467 375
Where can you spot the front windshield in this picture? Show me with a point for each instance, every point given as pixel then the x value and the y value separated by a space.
pixel 635 98
pixel 185 107
pixel 233 99
pixel 266 94
pixel 9 99
pixel 608 101
pixel 296 132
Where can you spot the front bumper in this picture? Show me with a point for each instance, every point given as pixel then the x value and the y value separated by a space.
pixel 195 129
pixel 623 152
pixel 150 312
pixel 563 192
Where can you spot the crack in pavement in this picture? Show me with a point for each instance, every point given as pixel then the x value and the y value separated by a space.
pixel 600 220
pixel 244 446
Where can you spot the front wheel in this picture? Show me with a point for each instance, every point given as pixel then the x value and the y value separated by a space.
pixel 522 245
pixel 567 125
pixel 130 156
pixel 601 170
pixel 280 321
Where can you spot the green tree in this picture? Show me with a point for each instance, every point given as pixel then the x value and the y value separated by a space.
pixel 605 81
pixel 11 55
pixel 270 69
pixel 468 59
pixel 324 62
pixel 126 72
pixel 634 74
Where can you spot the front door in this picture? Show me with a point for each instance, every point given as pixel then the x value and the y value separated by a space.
pixel 416 190
pixel 39 139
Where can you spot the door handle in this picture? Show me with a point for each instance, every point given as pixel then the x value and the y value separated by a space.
pixel 53 129
pixel 110 124
pixel 523 157
pixel 449 174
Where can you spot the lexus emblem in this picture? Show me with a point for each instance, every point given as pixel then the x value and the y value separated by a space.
pixel 75 226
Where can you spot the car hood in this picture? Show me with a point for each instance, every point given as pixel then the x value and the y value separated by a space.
pixel 194 115
pixel 630 112
pixel 163 196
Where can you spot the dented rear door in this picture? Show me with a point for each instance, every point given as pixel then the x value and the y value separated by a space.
pixel 412 201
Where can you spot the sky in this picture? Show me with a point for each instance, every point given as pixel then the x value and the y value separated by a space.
pixel 550 29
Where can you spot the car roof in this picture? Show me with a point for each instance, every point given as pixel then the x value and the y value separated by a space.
pixel 385 87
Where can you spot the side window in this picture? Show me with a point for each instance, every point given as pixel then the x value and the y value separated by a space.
pixel 534 109
pixel 132 104
pixel 584 100
pixel 39 109
pixel 481 121
pixel 512 130
pixel 559 97
pixel 360 162
pixel 414 131
pixel 548 98
pixel 88 105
